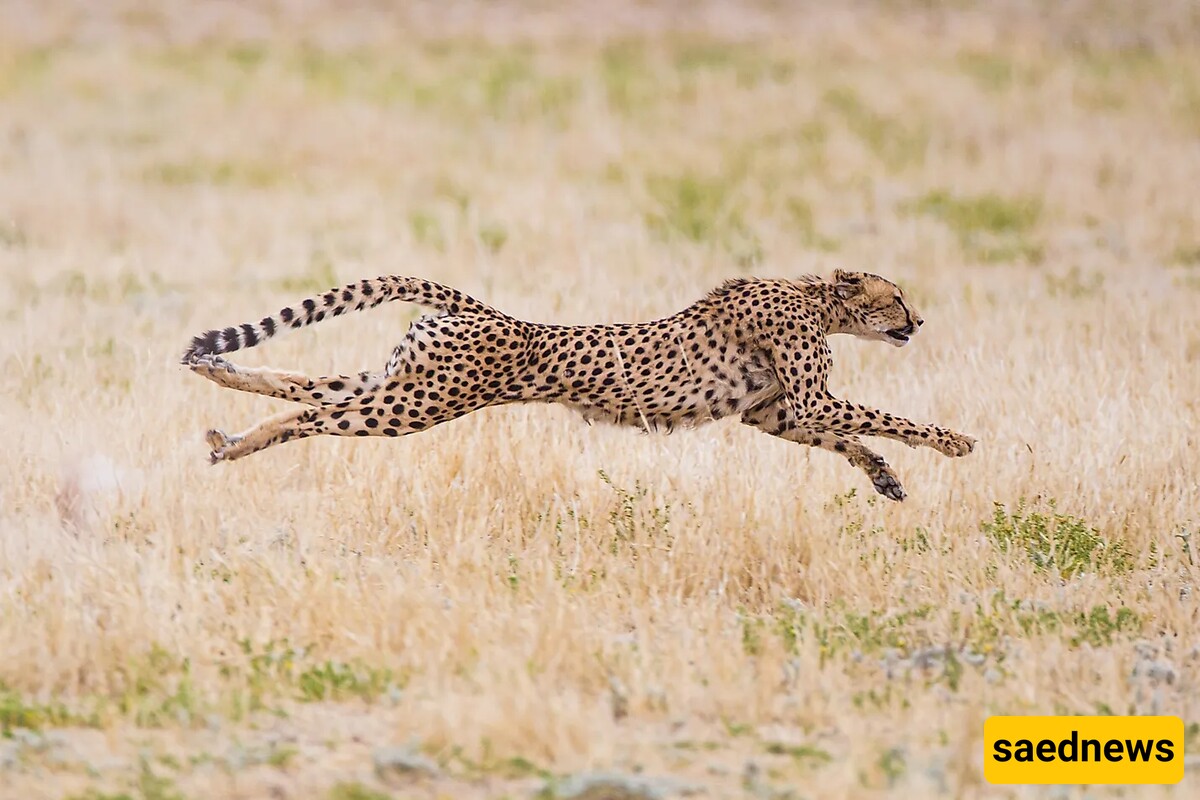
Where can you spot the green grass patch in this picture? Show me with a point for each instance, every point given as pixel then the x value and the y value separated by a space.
pixel 493 236
pixel 806 755
pixel 426 228
pixel 277 671
pixel 12 235
pixel 979 634
pixel 985 213
pixel 748 63
pixel 491 765
pixel 997 73
pixel 1057 542
pixel 1186 255
pixel 629 86
pixel 222 173
pixel 18 712
pixel 990 71
pixel 703 209
pixel 634 521
pixel 988 226
pixel 355 791
pixel 897 144
pixel 157 690
pixel 334 681
pixel 24 68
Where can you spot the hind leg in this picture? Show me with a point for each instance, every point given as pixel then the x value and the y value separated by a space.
pixel 389 412
pixel 295 386
pixel 446 367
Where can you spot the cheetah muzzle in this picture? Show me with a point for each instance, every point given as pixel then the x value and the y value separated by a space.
pixel 755 349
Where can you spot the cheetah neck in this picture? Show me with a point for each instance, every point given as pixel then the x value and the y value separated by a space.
pixel 830 312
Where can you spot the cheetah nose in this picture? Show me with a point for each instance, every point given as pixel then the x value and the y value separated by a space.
pixel 920 322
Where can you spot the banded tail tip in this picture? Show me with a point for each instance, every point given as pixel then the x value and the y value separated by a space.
pixel 206 344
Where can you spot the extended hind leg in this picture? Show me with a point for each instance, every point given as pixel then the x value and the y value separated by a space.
pixel 446 367
pixel 378 414
pixel 295 386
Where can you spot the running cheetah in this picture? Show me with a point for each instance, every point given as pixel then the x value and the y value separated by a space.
pixel 755 348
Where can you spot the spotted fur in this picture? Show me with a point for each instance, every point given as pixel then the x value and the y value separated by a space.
pixel 752 348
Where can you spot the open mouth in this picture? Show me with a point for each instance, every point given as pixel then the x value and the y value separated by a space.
pixel 898 334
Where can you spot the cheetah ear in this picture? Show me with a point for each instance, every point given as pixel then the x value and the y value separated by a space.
pixel 846 285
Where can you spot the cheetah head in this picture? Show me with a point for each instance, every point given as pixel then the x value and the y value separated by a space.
pixel 876 308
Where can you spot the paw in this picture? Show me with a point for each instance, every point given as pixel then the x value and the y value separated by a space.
pixel 219 443
pixel 888 485
pixel 954 445
pixel 210 366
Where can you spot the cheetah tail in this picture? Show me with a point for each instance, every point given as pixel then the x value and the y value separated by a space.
pixel 367 293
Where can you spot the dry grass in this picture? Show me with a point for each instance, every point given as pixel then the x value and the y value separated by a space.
pixel 514 594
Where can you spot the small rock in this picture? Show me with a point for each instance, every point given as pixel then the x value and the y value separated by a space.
pixel 402 762
pixel 617 787
pixel 1161 671
pixel 973 658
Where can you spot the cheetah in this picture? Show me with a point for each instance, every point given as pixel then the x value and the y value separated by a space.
pixel 752 348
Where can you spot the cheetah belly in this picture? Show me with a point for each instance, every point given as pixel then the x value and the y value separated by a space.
pixel 725 388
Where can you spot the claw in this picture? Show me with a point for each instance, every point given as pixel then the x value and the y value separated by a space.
pixel 209 363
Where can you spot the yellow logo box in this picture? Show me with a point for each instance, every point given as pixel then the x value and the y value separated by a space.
pixel 1083 750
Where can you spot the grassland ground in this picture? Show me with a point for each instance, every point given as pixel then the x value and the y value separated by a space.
pixel 510 601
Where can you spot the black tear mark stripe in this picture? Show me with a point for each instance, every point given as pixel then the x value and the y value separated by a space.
pixel 366 293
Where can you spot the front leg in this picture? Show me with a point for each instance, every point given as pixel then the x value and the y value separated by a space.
pixel 777 419
pixel 851 418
